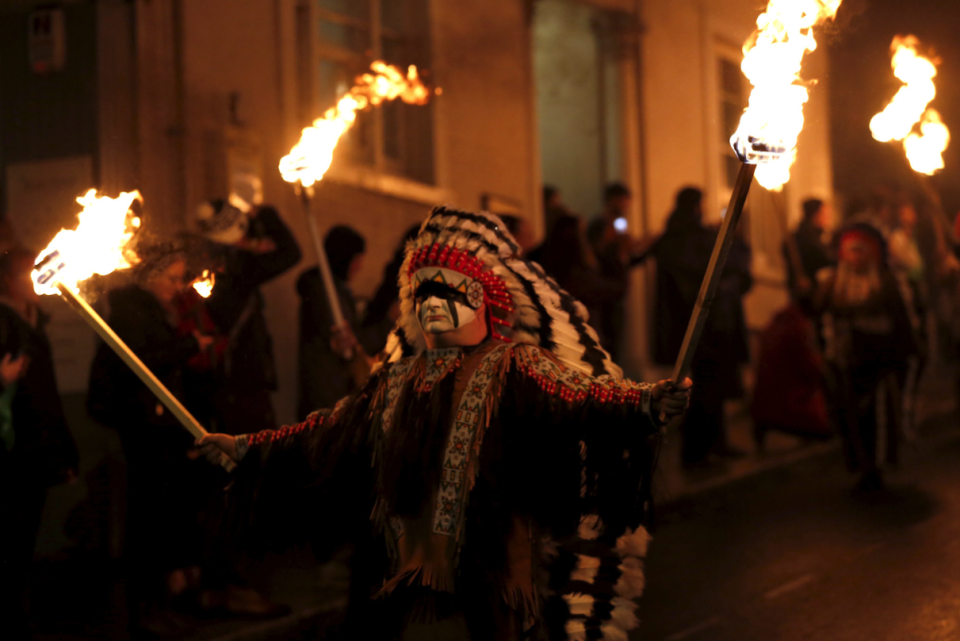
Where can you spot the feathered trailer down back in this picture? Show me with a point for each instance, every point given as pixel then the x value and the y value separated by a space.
pixel 543 313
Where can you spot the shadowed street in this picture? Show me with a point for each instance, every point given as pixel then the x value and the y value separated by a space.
pixel 796 554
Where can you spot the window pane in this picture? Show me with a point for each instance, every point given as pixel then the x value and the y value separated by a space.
pixel 391 14
pixel 392 129
pixel 336 78
pixel 359 9
pixel 731 113
pixel 394 52
pixel 731 82
pixel 351 38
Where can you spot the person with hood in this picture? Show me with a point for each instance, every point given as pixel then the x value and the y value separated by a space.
pixel 328 370
pixel 682 255
pixel 250 248
pixel 36 448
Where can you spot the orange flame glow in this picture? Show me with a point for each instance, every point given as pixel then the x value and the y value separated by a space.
pixel 769 128
pixel 204 284
pixel 310 158
pixel 909 108
pixel 97 246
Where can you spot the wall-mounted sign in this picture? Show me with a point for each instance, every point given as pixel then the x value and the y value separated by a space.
pixel 47 40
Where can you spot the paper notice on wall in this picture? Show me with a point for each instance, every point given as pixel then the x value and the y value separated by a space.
pixel 41 200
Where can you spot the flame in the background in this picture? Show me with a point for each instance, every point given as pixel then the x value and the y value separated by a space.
pixel 97 246
pixel 772 60
pixel 925 150
pixel 204 284
pixel 310 158
pixel 898 119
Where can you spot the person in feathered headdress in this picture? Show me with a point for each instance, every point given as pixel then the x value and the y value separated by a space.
pixel 869 338
pixel 503 460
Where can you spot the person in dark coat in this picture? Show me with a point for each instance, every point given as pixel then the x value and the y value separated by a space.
pixel 566 257
pixel 682 255
pixel 813 252
pixel 163 538
pixel 384 308
pixel 36 448
pixel 612 247
pixel 326 375
pixel 251 249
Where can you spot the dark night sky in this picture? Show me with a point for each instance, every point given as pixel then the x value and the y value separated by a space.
pixel 862 82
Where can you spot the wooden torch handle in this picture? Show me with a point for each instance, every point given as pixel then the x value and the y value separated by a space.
pixel 136 365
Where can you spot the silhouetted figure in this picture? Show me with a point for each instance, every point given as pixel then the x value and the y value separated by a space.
pixel 326 375
pixel 252 249
pixel 163 537
pixel 612 247
pixel 384 308
pixel 36 448
pixel 682 255
pixel 813 251
pixel 566 256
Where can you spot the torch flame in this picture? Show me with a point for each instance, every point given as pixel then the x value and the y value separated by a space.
pixel 909 107
pixel 97 246
pixel 769 128
pixel 925 150
pixel 310 158
pixel 204 284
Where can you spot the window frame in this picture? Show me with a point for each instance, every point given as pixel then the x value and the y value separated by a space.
pixel 382 172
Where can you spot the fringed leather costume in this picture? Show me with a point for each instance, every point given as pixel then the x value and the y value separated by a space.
pixel 506 482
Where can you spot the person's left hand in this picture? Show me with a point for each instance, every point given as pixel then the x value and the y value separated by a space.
pixel 669 400
pixel 343 342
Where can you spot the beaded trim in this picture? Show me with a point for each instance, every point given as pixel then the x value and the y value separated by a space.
pixel 469 414
pixel 271 436
pixel 575 387
pixel 439 363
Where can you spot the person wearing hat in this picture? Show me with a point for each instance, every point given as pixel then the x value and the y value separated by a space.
pixel 250 248
pixel 499 459
pixel 869 339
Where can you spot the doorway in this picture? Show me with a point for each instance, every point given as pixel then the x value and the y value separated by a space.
pixel 577 76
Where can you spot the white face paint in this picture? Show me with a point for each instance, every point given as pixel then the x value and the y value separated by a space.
pixel 438 315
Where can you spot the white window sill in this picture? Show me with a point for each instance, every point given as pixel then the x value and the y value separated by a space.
pixel 394 186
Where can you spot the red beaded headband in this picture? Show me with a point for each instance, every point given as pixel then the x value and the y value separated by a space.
pixel 495 292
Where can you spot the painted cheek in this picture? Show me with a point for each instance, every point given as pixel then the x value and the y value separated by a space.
pixel 465 314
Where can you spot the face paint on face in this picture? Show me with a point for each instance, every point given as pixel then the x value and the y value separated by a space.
pixel 440 309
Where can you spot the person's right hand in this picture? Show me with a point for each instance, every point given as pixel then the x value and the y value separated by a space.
pixel 212 446
pixel 11 369
pixel 203 340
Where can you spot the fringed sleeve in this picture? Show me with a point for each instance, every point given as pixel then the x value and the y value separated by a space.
pixel 609 421
pixel 588 447
pixel 292 484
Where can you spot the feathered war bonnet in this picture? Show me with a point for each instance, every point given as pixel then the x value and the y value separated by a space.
pixel 524 304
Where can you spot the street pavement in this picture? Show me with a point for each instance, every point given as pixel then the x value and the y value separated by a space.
pixel 796 554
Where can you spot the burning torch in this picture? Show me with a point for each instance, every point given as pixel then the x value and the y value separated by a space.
pixel 766 139
pixel 310 158
pixel 99 246
pixel 909 108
